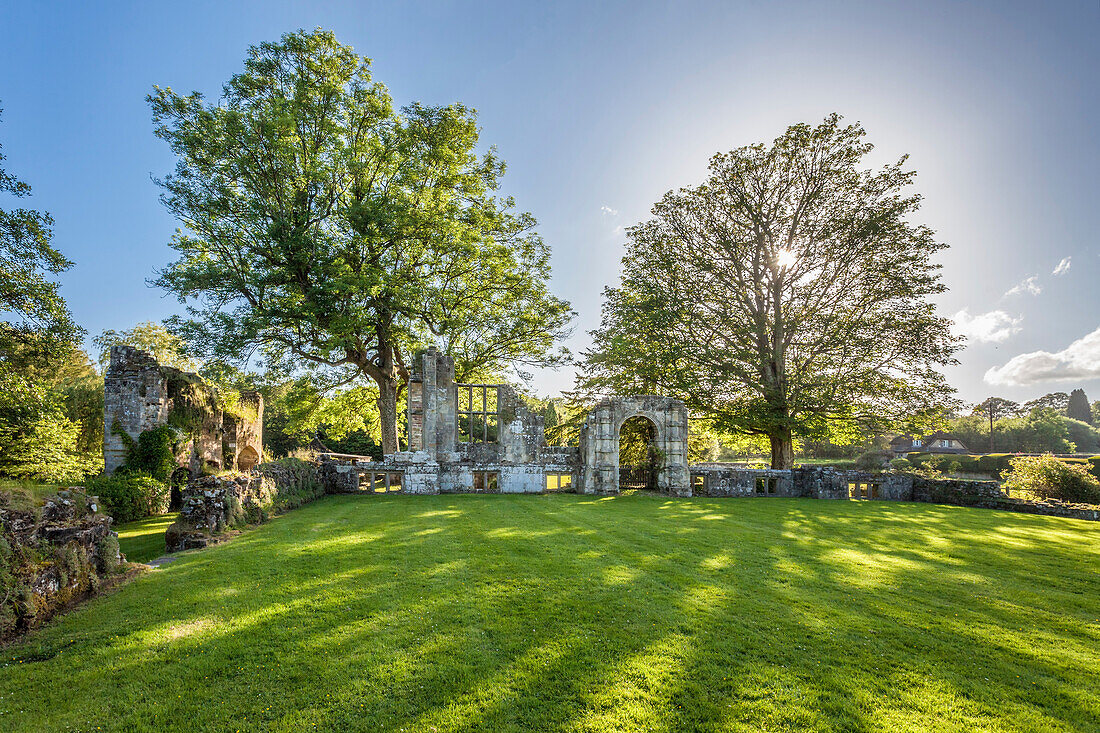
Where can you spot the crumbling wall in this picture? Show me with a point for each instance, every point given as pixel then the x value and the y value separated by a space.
pixel 212 504
pixel 135 399
pixel 140 394
pixel 51 556
pixel 715 479
pixel 831 483
pixel 955 491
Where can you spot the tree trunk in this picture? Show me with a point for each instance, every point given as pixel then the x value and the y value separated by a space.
pixel 782 449
pixel 387 412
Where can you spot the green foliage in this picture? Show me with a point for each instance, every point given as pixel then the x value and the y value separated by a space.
pixel 900 464
pixel 1050 478
pixel 34 314
pixel 337 233
pixel 1040 431
pixel 37 441
pixel 166 347
pixel 107 550
pixel 1056 401
pixel 153 453
pixel 129 496
pixel 872 460
pixel 722 295
pixel 1078 407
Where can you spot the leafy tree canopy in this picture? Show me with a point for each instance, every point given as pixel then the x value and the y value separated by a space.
pixel 787 295
pixel 33 311
pixel 324 227
pixel 1078 406
pixel 166 347
pixel 1057 401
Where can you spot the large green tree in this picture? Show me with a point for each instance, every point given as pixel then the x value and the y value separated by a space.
pixel 332 231
pixel 1078 408
pixel 35 323
pixel 787 295
pixel 50 398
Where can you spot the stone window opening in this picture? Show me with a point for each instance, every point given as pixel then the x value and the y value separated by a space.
pixel 698 484
pixel 556 481
pixel 380 483
pixel 477 416
pixel 486 482
pixel 767 485
pixel 864 490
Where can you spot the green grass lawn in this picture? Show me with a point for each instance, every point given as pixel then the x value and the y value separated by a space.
pixel 143 540
pixel 515 613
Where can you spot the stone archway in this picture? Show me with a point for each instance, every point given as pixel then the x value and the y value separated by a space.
pixel 600 443
pixel 247 458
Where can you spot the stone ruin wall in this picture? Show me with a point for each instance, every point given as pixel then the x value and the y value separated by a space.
pixel 140 394
pixel 57 554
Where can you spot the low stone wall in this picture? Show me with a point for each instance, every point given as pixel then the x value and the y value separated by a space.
pixel 955 491
pixel 51 556
pixel 416 473
pixel 831 483
pixel 212 504
pixel 715 479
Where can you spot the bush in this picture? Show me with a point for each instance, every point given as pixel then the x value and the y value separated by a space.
pixel 130 496
pixel 900 464
pixel 153 453
pixel 872 460
pixel 1049 478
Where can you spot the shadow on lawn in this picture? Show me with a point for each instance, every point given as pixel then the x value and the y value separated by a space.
pixel 528 613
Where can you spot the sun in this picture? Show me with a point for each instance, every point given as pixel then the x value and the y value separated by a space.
pixel 785 258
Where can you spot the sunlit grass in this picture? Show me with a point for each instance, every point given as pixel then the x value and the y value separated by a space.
pixel 27 494
pixel 506 613
pixel 143 540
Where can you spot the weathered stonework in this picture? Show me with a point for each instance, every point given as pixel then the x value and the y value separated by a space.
pixel 140 394
pixel 52 556
pixel 515 460
pixel 600 443
pixel 212 504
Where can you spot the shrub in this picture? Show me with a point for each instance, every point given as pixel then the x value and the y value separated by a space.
pixel 872 460
pixel 900 464
pixel 130 496
pixel 994 464
pixel 153 453
pixel 1050 478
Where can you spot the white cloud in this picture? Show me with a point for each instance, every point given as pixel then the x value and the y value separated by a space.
pixel 1063 267
pixel 1029 286
pixel 1080 360
pixel 609 210
pixel 987 328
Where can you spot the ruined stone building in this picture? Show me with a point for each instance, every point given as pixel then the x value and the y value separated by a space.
pixel 482 438
pixel 218 431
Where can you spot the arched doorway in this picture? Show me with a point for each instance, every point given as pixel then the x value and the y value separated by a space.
pixel 247 458
pixel 600 444
pixel 639 457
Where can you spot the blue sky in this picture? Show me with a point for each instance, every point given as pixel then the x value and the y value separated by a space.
pixel 599 108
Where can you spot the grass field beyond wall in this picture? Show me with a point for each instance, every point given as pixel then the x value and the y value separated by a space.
pixel 516 613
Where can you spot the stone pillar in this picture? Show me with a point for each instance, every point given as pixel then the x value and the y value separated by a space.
pixel 432 404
